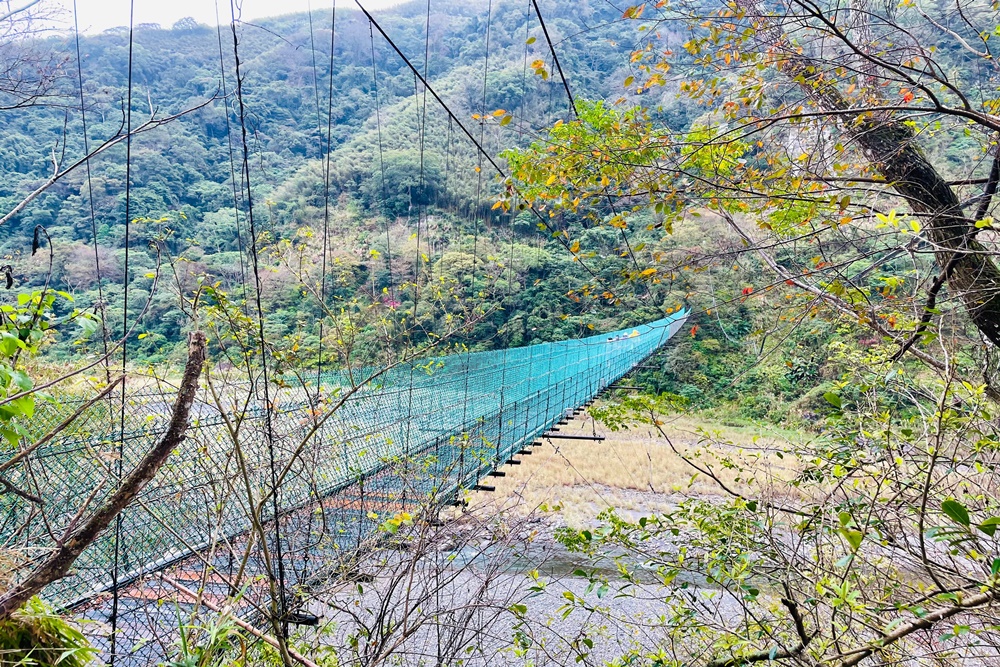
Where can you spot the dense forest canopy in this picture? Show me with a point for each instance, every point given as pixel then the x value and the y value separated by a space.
pixel 181 188
pixel 182 193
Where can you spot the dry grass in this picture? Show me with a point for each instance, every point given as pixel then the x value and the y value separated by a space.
pixel 637 470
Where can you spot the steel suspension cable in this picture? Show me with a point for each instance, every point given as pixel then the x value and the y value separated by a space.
pixel 314 401
pixel 555 58
pixel 119 464
pixel 101 306
pixel 510 260
pixel 482 134
pixel 381 160
pixel 232 161
pixel 421 134
pixel 465 130
pixel 268 405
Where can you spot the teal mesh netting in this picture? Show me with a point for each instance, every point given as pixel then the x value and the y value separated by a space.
pixel 421 432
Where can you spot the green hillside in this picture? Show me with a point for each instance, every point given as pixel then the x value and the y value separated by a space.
pixel 181 172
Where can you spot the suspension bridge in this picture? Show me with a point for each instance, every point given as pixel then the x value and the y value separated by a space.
pixel 420 435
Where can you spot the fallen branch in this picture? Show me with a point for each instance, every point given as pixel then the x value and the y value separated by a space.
pixel 922 623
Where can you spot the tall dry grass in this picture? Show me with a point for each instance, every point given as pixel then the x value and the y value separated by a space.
pixel 637 470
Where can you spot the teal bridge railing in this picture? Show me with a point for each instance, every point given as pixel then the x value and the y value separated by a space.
pixel 420 433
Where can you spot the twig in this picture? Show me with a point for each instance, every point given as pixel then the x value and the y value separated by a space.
pixel 10 488
pixel 267 639
pixel 991 187
pixel 929 305
pixel 9 463
pixel 922 623
pixel 773 653
pixel 152 123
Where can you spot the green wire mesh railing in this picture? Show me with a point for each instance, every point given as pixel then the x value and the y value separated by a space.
pixel 421 432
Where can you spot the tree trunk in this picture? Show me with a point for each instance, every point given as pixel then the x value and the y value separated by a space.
pixel 891 146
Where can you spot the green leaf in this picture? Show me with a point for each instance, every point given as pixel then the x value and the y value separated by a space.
pixel 833 399
pixel 8 344
pixel 853 537
pixel 956 511
pixel 24 406
pixel 845 561
pixel 990 525
pixel 11 436
pixel 21 380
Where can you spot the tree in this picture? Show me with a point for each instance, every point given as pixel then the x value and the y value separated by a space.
pixel 805 124
pixel 846 147
pixel 398 187
pixel 29 71
pixel 186 23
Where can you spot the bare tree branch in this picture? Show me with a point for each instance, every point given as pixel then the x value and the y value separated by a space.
pixel 60 561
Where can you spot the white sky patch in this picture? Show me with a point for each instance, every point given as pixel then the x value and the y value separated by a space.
pixel 98 15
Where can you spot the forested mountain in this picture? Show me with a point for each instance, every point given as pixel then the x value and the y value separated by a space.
pixel 181 173
pixel 409 162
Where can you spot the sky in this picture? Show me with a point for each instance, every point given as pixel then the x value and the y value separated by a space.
pixel 99 15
